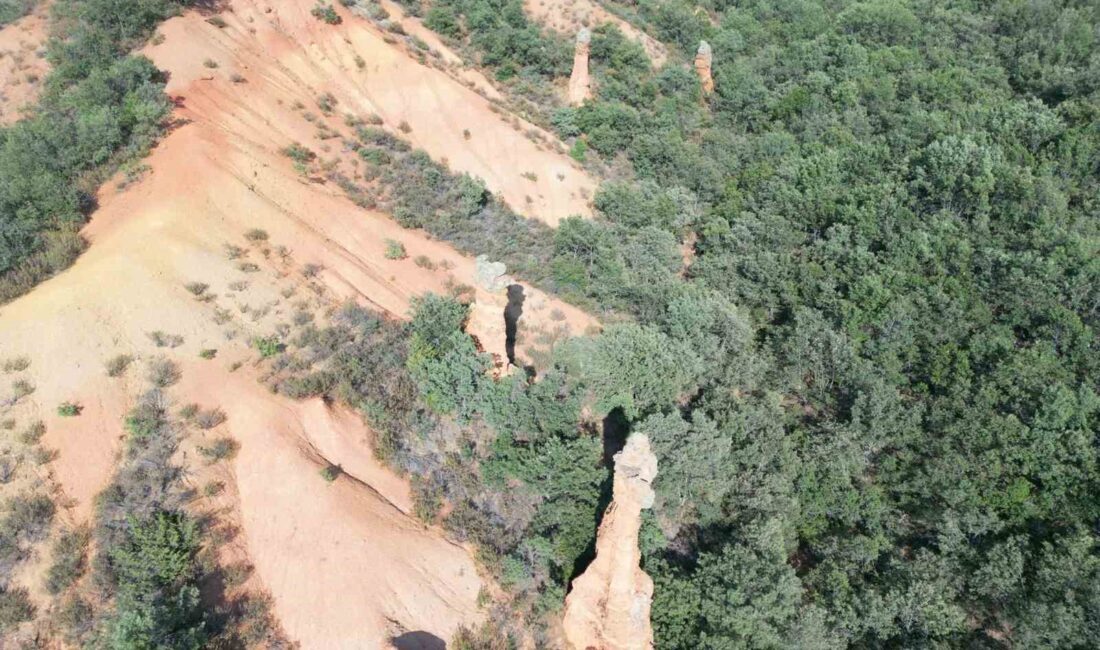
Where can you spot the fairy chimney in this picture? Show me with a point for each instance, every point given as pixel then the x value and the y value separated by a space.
pixel 702 67
pixel 486 321
pixel 580 85
pixel 608 606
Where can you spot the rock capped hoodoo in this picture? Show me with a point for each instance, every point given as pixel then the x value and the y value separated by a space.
pixel 580 84
pixel 703 60
pixel 608 607
pixel 487 312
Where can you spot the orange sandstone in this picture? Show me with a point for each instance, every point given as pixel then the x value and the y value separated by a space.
pixel 608 607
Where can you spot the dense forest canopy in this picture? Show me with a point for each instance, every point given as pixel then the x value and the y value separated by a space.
pixel 877 410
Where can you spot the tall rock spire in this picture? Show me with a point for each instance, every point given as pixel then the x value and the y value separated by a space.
pixel 702 67
pixel 608 607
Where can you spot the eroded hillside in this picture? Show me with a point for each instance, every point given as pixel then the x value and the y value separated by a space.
pixel 170 275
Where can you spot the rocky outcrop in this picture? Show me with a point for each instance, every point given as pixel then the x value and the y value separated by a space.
pixel 580 84
pixel 703 60
pixel 608 607
pixel 487 313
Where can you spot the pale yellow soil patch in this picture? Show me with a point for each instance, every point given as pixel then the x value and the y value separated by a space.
pixel 23 64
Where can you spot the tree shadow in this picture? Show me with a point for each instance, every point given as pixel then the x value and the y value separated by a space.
pixel 512 312
pixel 616 428
pixel 419 640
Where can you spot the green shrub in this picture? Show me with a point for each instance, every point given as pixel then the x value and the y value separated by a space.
pixel 69 409
pixel 327 103
pixel 299 153
pixel 395 250
pixel 579 150
pixel 331 472
pixel 208 353
pixel 148 417
pixel 326 13
pixel 268 346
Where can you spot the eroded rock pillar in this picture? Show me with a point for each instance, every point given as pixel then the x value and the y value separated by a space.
pixel 703 60
pixel 487 312
pixel 608 607
pixel 580 84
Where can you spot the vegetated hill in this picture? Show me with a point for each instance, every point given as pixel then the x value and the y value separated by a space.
pixel 889 435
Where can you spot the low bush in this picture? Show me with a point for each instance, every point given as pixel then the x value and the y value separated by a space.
pixel 15 607
pixel 163 372
pixel 118 364
pixel 162 339
pixel 299 153
pixel 268 346
pixel 69 409
pixel 33 433
pixel 20 388
pixel 395 250
pixel 17 364
pixel 326 13
pixel 68 565
pixel 210 418
pixel 331 472
pixel 220 449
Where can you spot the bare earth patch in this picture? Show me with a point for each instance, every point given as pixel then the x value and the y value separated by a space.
pixel 23 64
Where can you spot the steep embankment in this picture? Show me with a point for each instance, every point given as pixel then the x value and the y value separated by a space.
pixel 345 563
pixel 22 63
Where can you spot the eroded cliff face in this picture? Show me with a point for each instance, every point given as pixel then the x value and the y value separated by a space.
pixel 580 84
pixel 608 607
